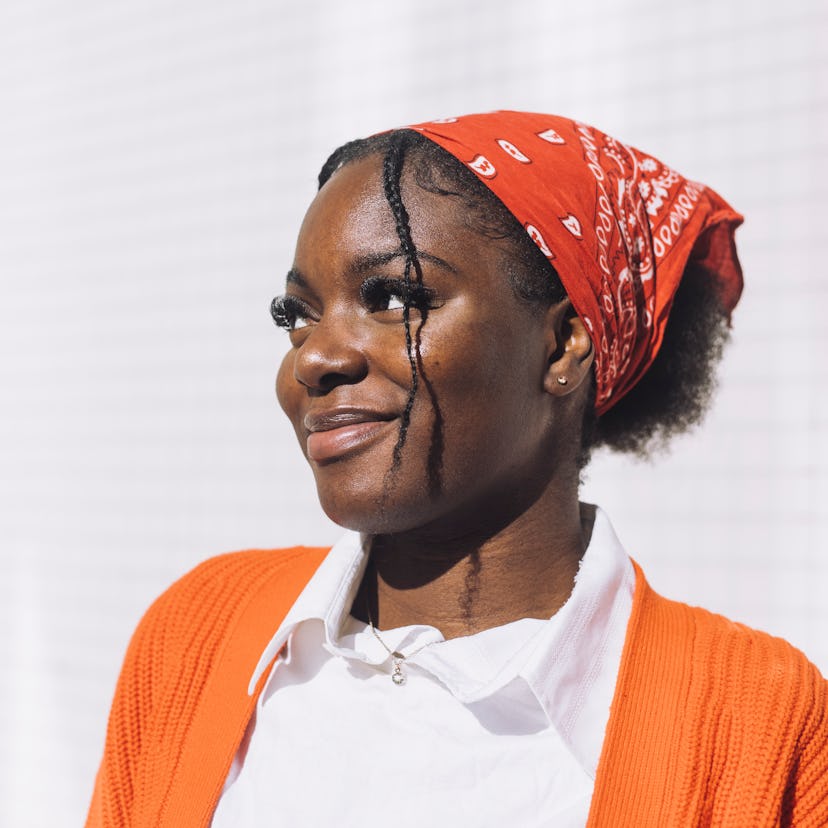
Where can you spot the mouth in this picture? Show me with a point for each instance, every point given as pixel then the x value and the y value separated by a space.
pixel 335 433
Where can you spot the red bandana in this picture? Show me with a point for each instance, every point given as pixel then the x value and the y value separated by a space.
pixel 617 224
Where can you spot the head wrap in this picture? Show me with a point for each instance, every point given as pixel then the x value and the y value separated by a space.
pixel 618 226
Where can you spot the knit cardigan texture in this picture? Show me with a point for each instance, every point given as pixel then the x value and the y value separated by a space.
pixel 712 723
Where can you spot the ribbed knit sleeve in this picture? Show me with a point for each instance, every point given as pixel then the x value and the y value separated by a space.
pixel 192 655
pixel 712 724
pixel 806 801
pixel 131 709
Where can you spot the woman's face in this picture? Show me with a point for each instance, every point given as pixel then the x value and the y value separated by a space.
pixel 481 424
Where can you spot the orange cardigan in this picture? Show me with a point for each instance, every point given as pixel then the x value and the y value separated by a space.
pixel 712 723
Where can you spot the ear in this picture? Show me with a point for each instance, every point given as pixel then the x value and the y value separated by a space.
pixel 569 350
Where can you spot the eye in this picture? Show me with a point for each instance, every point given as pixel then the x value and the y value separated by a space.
pixel 291 313
pixel 394 302
pixel 381 294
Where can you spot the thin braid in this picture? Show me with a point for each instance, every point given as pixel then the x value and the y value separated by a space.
pixel 392 167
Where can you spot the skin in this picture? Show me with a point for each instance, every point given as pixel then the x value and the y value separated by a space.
pixel 501 536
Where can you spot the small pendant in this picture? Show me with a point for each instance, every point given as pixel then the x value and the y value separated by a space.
pixel 397 675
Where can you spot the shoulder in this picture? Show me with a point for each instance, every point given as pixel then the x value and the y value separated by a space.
pixel 219 587
pixel 200 637
pixel 717 716
pixel 716 644
pixel 238 572
pixel 733 674
pixel 236 595
pixel 712 722
pixel 720 647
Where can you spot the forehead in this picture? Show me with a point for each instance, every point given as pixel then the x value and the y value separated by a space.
pixel 351 215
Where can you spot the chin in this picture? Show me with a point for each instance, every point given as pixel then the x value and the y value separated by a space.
pixel 358 493
pixel 367 515
pixel 374 509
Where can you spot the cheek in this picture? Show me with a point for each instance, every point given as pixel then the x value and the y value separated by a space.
pixel 485 381
pixel 479 356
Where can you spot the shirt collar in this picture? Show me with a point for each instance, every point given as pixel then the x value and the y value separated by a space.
pixel 327 596
pixel 573 669
pixel 570 664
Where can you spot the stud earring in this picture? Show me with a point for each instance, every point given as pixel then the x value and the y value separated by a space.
pixel 562 380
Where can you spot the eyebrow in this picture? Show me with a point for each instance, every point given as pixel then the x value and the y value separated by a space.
pixel 373 260
pixel 294 277
pixel 368 262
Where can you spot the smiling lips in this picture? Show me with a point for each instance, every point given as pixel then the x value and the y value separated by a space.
pixel 339 431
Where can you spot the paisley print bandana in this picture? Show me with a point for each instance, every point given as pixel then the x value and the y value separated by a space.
pixel 618 226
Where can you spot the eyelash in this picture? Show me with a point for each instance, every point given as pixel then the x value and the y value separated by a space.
pixel 285 310
pixel 375 293
pixel 377 289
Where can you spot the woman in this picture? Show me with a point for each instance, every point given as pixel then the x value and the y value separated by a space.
pixel 473 305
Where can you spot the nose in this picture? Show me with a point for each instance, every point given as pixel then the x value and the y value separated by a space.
pixel 330 355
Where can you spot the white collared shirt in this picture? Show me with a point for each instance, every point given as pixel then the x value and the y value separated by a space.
pixel 503 727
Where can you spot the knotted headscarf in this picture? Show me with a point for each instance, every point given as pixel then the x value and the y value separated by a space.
pixel 618 226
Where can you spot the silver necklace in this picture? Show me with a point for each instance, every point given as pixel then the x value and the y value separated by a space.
pixel 398 659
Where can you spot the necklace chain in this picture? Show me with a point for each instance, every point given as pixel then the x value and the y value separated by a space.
pixel 397 675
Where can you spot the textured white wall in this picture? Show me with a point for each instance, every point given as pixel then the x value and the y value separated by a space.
pixel 155 161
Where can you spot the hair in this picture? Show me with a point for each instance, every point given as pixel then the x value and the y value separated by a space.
pixel 675 392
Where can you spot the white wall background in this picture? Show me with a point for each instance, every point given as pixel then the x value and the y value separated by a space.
pixel 155 161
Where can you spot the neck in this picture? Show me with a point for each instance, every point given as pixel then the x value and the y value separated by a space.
pixel 465 582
